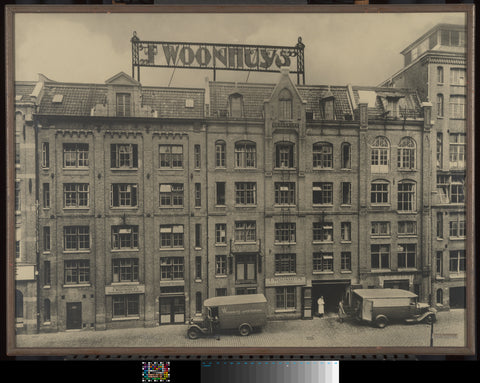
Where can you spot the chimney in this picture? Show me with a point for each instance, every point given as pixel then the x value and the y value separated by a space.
pixel 206 111
pixel 363 108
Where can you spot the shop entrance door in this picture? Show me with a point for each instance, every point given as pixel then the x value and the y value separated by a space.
pixel 74 315
pixel 172 310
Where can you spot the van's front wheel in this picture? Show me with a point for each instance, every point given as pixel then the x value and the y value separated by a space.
pixel 193 333
pixel 245 329
pixel 381 322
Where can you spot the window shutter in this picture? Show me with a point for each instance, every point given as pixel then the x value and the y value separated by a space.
pixel 113 155
pixel 114 195
pixel 135 155
pixel 134 195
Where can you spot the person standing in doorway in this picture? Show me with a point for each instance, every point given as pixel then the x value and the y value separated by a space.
pixel 341 312
pixel 321 306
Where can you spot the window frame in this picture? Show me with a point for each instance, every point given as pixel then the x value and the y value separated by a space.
pixel 117 193
pixel 72 199
pixel 118 239
pixel 285 263
pixel 76 271
pixel 123 268
pixel 124 156
pixel 324 196
pixel 77 156
pixel 406 199
pixel 285 197
pixel 322 156
pixel 383 260
pixel 323 262
pixel 380 155
pixel 245 155
pixel 169 158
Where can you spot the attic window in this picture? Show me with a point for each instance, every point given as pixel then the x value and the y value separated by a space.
pixel 236 105
pixel 18 97
pixel 326 108
pixel 57 99
pixel 285 101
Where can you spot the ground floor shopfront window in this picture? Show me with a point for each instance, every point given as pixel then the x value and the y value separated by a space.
pixel 125 306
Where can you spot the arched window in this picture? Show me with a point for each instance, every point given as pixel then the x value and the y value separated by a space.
pixel 46 310
pixel 284 155
pixel 440 105
pixel 235 102
pixel 18 304
pixel 406 153
pixel 346 149
pixel 406 196
pixel 245 154
pixel 285 105
pixel 220 154
pixel 380 155
pixel 323 155
pixel 439 297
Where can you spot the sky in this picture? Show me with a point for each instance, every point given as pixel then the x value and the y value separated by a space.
pixel 340 49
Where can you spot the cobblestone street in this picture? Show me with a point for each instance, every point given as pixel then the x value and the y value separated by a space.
pixel 449 331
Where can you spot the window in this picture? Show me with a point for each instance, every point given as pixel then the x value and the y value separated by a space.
pixel 379 193
pixel 245 268
pixel 46 310
pixel 322 155
pixel 220 154
pixel 457 261
pixel 198 194
pixel 171 195
pixel 440 105
pixel 75 155
pixel 236 105
pixel 285 232
pixel 245 231
pixel 77 272
pixel 17 153
pixel 327 108
pixel 457 107
pixel 406 154
pixel 285 105
pixel 245 155
pixel 198 267
pixel 171 268
pixel 285 298
pixel 76 238
pixel 407 228
pixel 346 261
pixel 17 249
pixel 406 196
pixel 171 156
pixel 245 290
pixel 406 255
pixel 124 156
pixel 18 304
pixel 124 237
pixel 284 155
pixel 285 263
pixel 245 193
pixel 198 302
pixel 322 193
pixel 123 104
pixel 439 150
pixel 440 224
pixel 125 306
pixel 221 292
pixel 220 233
pixel 457 150
pixel 323 262
pixel 123 195
pixel 346 193
pixel 220 264
pixel 197 157
pixel 171 236
pixel 380 229
pixel 439 297
pixel 380 256
pixel 452 38
pixel 458 76
pixel 198 235
pixel 47 275
pixel 451 188
pixel 457 226
pixel 323 232
pixel 285 193
pixel 17 196
pixel 125 270
pixel 440 75
pixel 76 195
pixel 346 156
pixel 45 155
pixel 346 231
pixel 46 238
pixel 220 193
pixel 439 263
pixel 46 196
pixel 379 159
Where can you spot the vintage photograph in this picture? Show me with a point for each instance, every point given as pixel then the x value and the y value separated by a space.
pixel 241 181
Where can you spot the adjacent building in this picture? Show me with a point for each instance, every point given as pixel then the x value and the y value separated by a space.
pixel 435 65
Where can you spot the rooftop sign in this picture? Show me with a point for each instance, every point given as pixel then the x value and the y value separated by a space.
pixel 234 57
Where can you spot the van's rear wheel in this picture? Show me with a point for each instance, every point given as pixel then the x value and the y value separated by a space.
pixel 245 329
pixel 381 322
pixel 193 333
pixel 429 319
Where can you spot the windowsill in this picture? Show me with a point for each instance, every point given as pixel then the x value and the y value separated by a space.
pixel 345 271
pixel 326 169
pixel 457 275
pixel 77 169
pixel 46 323
pixel 78 285
pixel 440 239
pixel 322 205
pixel 197 169
pixel 172 249
pixel 440 117
pixel 279 311
pixel 346 169
pixel 249 168
pixel 407 212
pixel 282 169
pixel 221 206
pixel 322 242
pixel 220 168
pixel 285 243
pixel 380 236
pixel 284 206
pixel 76 208
pixel 47 252
pixel 198 280
pixel 407 170
pixel 322 272
pixel 125 318
pixel 46 169
pixel 171 207
pixel 407 236
pixel 457 238
pixel 346 205
pixel 123 169
pixel 170 169
pixel 458 118
pixel 124 207
pixel 123 250
pixel 245 243
pixel 381 205
pixel 407 269
pixel 245 206
pixel 220 276
pixel 221 244
pixel 346 241
pixel 46 287
pixel 76 251
pixel 197 248
pixel 380 270
pixel 285 274
pixel 197 207
pixel 439 278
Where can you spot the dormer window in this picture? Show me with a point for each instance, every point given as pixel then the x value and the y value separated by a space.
pixel 236 105
pixel 123 105
pixel 285 105
pixel 326 107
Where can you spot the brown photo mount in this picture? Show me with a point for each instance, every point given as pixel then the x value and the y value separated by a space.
pixel 133 207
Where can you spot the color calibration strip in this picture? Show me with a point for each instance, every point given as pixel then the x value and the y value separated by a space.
pixel 155 372
pixel 270 372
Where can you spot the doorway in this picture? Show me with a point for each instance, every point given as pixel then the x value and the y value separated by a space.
pixel 457 297
pixel 74 315
pixel 172 310
pixel 331 291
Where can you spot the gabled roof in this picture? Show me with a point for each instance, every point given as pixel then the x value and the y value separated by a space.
pixel 122 78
